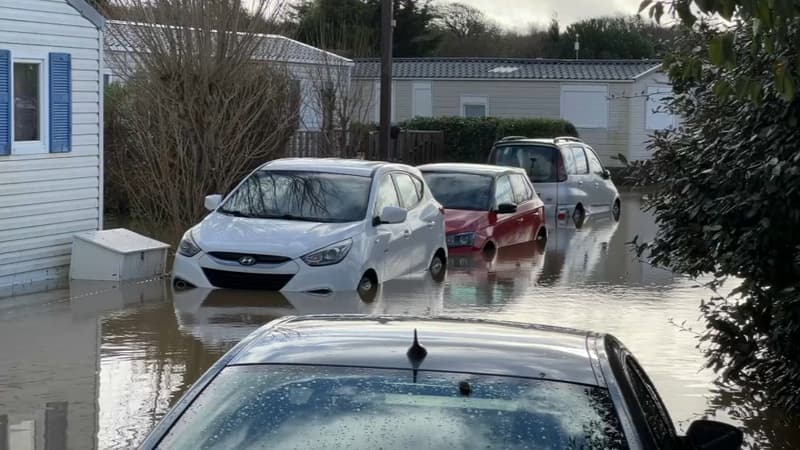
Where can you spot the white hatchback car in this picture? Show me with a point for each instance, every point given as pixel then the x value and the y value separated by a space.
pixel 316 225
pixel 566 173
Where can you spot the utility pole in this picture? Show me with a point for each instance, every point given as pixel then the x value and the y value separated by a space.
pixel 384 136
pixel 577 45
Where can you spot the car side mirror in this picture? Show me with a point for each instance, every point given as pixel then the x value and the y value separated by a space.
pixel 506 208
pixel 712 435
pixel 605 174
pixel 390 215
pixel 212 201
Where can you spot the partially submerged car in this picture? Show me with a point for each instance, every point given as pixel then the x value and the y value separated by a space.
pixel 316 225
pixel 486 207
pixel 360 382
pixel 566 172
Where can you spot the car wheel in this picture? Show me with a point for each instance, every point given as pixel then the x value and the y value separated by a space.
pixel 438 266
pixel 616 210
pixel 579 216
pixel 367 287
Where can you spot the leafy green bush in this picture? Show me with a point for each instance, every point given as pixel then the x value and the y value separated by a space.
pixel 727 207
pixel 470 139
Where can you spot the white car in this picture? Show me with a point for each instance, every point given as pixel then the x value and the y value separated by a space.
pixel 316 225
pixel 567 174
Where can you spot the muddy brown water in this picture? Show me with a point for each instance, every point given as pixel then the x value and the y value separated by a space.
pixel 95 365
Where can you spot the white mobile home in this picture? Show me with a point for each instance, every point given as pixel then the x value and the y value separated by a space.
pixel 614 104
pixel 51 157
pixel 311 68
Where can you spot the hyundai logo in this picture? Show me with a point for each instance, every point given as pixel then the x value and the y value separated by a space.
pixel 247 260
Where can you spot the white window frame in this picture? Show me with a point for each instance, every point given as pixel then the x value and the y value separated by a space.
pixel 656 89
pixel 586 88
pixel 377 102
pixel 474 100
pixel 111 78
pixel 422 86
pixel 40 146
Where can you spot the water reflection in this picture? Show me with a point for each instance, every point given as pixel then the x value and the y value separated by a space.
pixel 104 361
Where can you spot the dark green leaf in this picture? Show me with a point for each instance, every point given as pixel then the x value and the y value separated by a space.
pixel 644 5
pixel 659 11
pixel 784 81
pixel 683 8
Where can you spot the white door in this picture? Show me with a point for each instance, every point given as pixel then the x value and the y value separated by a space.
pixel 421 221
pixel 421 100
pixel 391 251
pixel 603 192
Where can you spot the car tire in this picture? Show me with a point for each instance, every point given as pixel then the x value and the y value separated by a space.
pixel 367 287
pixel 438 267
pixel 579 216
pixel 616 210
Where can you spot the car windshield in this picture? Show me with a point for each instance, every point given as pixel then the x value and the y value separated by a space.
pixel 539 161
pixel 308 196
pixel 461 190
pixel 290 407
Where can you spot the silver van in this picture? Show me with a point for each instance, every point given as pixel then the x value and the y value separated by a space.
pixel 567 174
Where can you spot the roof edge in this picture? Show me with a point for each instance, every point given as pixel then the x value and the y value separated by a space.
pixel 500 59
pixel 88 12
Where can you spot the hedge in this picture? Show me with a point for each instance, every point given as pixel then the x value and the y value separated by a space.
pixel 471 139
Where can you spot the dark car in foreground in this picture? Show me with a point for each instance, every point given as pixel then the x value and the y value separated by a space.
pixel 355 382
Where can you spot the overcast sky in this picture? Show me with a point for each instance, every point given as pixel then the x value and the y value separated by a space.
pixel 520 14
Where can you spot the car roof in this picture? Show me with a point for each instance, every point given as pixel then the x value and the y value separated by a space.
pixel 453 345
pixel 479 169
pixel 333 165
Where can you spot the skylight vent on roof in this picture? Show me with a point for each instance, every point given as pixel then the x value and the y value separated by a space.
pixel 504 69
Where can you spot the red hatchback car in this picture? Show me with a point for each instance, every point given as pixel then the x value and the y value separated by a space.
pixel 486 207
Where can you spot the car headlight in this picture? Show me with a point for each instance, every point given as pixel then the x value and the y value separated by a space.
pixel 461 240
pixel 331 254
pixel 188 247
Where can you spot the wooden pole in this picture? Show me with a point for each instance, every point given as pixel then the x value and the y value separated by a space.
pixel 384 140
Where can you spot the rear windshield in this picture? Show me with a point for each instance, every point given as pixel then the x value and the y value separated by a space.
pixel 540 162
pixel 293 407
pixel 461 190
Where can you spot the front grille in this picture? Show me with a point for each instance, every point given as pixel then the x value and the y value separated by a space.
pixel 264 259
pixel 243 280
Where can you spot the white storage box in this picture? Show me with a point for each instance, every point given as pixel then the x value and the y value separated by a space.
pixel 116 255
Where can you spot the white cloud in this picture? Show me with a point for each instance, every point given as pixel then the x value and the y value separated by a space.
pixel 520 14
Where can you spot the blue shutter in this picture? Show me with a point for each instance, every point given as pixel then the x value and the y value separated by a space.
pixel 5 102
pixel 60 102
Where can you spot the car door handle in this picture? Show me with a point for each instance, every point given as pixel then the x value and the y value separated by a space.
pixel 536 213
pixel 407 234
pixel 521 219
pixel 431 224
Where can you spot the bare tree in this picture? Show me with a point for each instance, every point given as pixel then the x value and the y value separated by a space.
pixel 204 101
pixel 344 107
pixel 464 21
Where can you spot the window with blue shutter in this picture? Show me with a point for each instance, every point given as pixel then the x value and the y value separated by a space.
pixel 5 102
pixel 60 102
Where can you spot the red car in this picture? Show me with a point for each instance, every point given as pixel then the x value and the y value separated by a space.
pixel 486 207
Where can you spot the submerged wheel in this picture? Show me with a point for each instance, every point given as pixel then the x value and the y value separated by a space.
pixel 579 216
pixel 438 266
pixel 616 210
pixel 367 287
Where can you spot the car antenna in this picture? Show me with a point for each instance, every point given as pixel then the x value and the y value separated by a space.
pixel 416 354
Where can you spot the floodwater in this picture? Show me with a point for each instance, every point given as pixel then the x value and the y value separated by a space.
pixel 95 365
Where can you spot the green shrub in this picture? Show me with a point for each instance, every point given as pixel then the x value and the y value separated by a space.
pixel 471 139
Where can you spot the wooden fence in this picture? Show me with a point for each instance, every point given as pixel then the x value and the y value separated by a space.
pixel 413 147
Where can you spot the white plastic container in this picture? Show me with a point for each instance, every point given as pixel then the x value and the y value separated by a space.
pixel 116 255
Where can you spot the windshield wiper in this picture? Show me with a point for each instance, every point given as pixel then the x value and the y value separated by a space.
pixel 234 213
pixel 298 218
